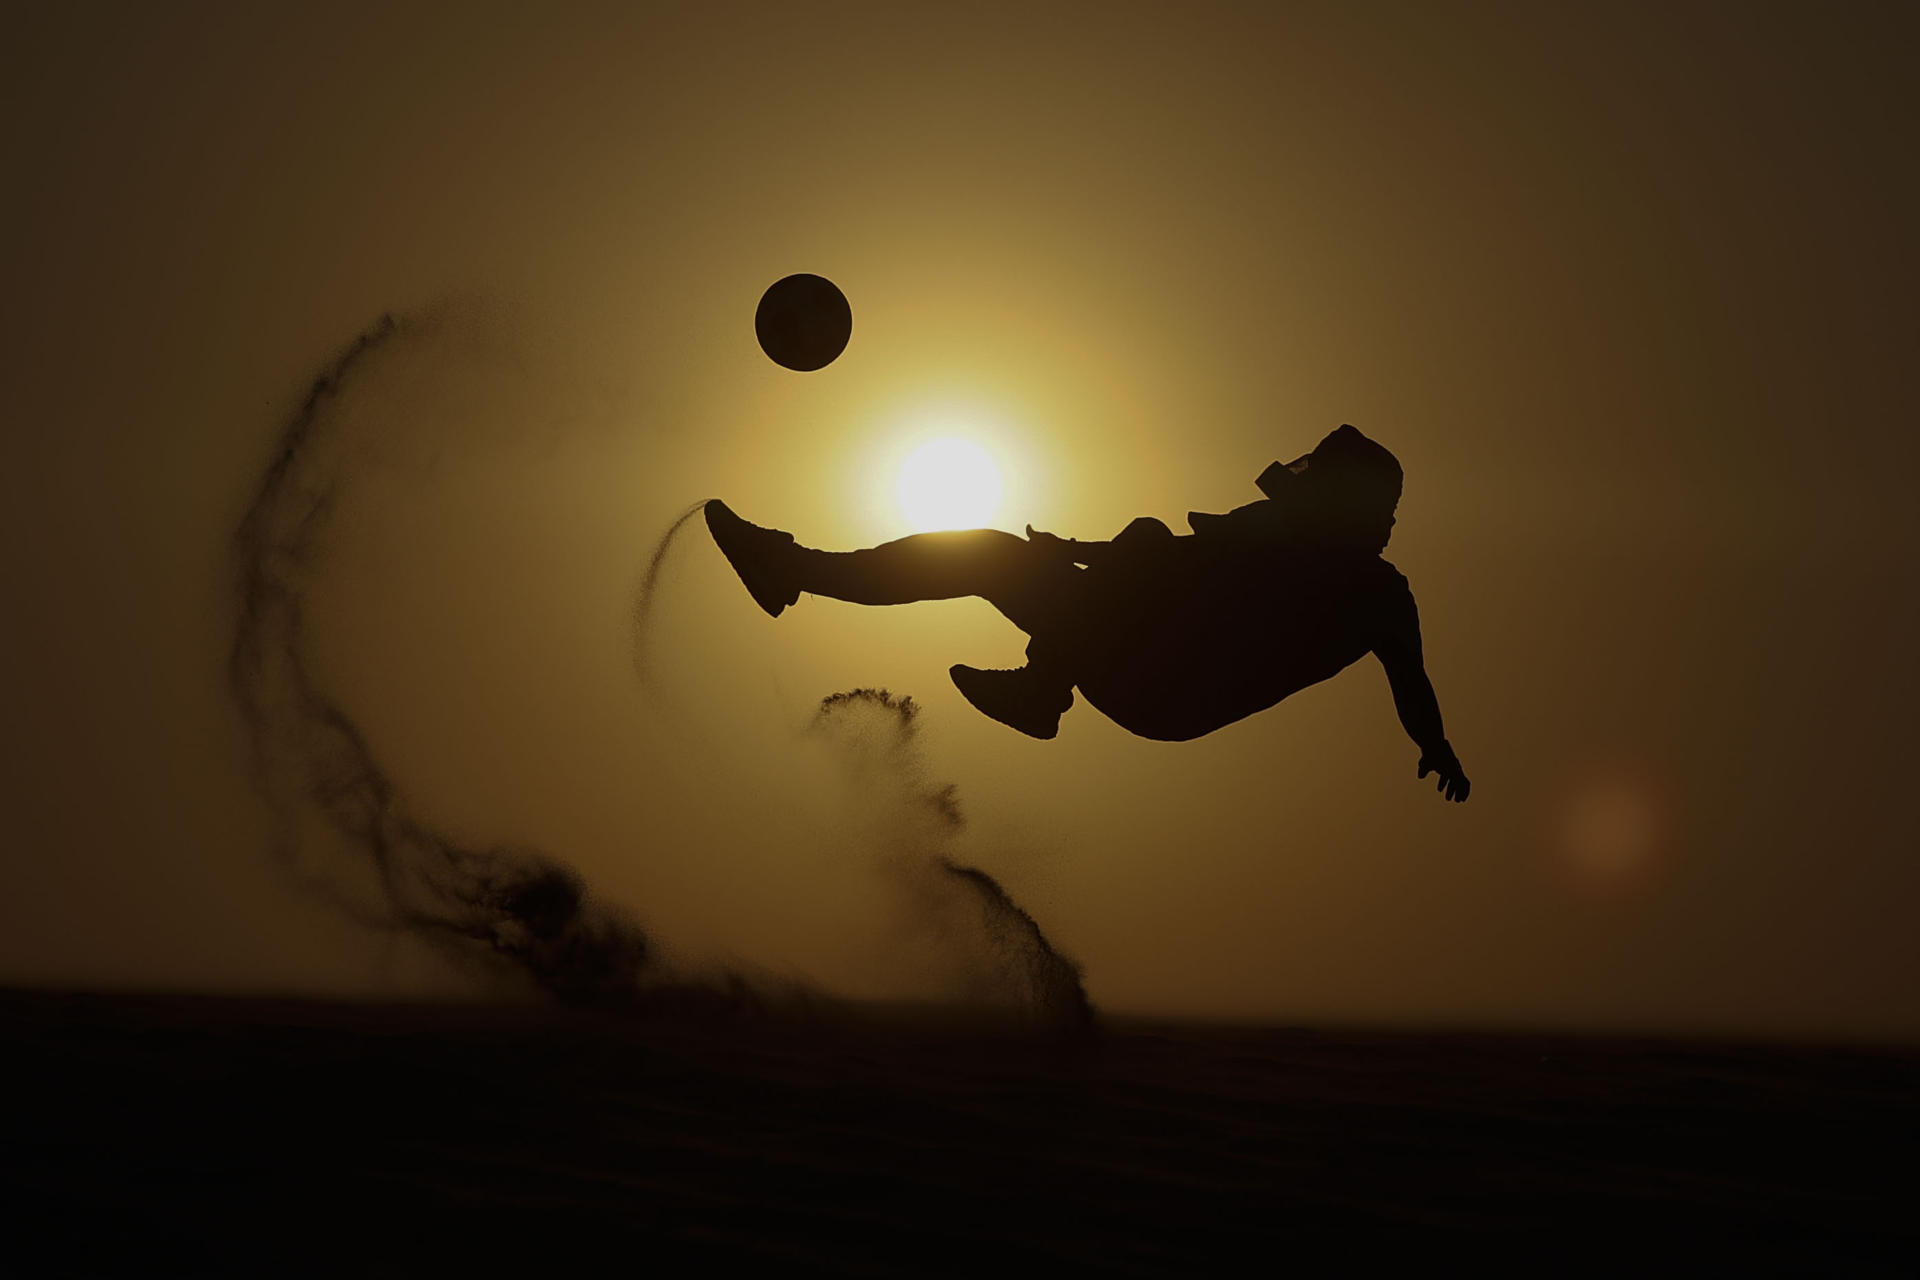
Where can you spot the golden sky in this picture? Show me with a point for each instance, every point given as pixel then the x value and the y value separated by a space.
pixel 1628 289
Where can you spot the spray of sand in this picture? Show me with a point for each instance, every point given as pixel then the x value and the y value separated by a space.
pixel 511 912
pixel 644 598
pixel 989 951
pixel 519 915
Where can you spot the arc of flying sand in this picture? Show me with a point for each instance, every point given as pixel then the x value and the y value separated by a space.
pixel 491 905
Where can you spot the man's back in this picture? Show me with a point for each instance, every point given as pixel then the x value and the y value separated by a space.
pixel 1207 630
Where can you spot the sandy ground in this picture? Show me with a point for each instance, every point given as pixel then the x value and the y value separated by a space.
pixel 174 1134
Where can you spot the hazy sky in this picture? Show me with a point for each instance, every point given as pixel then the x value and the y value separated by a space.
pixel 1629 289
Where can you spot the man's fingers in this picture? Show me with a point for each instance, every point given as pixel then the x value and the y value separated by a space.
pixel 1449 781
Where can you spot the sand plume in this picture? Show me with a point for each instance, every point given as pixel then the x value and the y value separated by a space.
pixel 347 824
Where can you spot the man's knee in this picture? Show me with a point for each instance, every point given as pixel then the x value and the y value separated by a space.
pixel 1144 531
pixel 987 552
pixel 985 541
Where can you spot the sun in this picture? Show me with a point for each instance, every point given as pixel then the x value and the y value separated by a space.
pixel 949 484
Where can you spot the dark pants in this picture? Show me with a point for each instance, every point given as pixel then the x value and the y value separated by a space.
pixel 1038 592
pixel 1073 615
pixel 1170 636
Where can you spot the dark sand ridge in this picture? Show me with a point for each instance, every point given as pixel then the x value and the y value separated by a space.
pixel 519 911
pixel 191 1134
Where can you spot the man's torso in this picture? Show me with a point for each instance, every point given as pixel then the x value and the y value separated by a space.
pixel 1197 632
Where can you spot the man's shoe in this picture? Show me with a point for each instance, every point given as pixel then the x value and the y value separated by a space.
pixel 1018 699
pixel 764 558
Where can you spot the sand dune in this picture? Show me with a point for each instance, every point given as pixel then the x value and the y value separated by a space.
pixel 152 1133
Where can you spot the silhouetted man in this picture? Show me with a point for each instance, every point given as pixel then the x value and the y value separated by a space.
pixel 1172 636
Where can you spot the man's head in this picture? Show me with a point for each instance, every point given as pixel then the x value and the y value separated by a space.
pixel 1351 486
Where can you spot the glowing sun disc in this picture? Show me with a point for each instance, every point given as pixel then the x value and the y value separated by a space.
pixel 948 484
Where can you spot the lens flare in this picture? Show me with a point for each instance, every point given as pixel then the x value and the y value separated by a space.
pixel 1613 829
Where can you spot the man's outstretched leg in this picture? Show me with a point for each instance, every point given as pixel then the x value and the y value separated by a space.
pixel 1035 591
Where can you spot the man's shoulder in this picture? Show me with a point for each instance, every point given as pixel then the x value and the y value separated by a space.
pixel 1392 594
pixel 1381 577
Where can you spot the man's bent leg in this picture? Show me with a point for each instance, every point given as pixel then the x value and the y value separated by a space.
pixel 1031 699
pixel 1035 590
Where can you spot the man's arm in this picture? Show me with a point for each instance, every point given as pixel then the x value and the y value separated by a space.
pixel 1413 697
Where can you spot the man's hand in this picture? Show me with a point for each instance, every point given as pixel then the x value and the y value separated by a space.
pixel 1452 781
